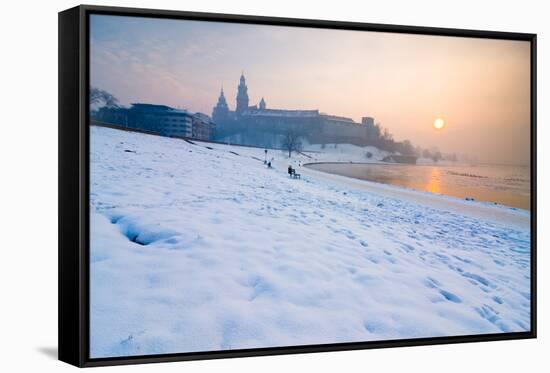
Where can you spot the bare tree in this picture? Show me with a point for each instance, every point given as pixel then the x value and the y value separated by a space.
pixel 98 96
pixel 291 142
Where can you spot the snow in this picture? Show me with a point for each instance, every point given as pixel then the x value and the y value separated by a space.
pixel 314 152
pixel 487 211
pixel 200 247
pixel 344 153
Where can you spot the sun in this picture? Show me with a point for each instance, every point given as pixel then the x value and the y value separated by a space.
pixel 439 124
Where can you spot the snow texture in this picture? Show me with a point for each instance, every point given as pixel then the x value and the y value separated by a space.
pixel 200 247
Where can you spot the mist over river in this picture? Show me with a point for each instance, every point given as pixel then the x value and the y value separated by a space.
pixel 502 184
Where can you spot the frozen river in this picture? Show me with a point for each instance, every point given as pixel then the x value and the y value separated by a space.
pixel 506 185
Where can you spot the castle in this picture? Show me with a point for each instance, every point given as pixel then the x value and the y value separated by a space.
pixel 257 125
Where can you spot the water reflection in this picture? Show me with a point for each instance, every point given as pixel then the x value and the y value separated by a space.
pixel 507 185
pixel 433 184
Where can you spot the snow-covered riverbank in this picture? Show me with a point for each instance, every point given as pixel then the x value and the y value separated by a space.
pixel 499 214
pixel 200 247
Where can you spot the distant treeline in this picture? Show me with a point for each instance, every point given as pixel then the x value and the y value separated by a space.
pixel 381 138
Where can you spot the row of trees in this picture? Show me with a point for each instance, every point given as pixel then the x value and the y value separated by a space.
pixel 434 154
pixel 381 138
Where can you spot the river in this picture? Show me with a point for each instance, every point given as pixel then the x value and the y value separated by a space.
pixel 502 184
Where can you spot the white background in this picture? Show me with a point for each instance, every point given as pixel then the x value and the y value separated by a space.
pixel 28 184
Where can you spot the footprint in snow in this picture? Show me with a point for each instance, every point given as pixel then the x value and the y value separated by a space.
pixel 373 259
pixel 408 248
pixel 349 234
pixel 498 300
pixel 434 284
pixel 450 296
pixel 490 314
pixel 477 278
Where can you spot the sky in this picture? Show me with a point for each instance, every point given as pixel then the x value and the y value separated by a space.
pixel 480 87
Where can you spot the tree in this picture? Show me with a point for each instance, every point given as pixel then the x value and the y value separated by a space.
pixel 386 135
pixel 99 96
pixel 436 155
pixel 291 142
pixel 452 157
pixel 406 148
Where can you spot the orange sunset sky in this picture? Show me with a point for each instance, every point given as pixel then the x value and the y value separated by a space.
pixel 480 87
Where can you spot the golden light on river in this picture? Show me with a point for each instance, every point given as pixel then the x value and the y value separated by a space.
pixel 433 185
pixel 439 124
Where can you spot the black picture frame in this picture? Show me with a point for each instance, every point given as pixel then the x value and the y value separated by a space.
pixel 73 247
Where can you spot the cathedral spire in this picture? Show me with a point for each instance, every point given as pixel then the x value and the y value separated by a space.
pixel 221 99
pixel 242 96
pixel 221 110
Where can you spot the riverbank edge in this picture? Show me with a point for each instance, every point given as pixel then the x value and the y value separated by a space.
pixel 499 214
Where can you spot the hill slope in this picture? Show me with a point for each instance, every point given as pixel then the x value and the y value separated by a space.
pixel 199 247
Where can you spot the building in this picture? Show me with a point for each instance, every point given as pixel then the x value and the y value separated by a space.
pixel 259 125
pixel 242 97
pixel 202 127
pixel 221 110
pixel 161 119
pixel 367 121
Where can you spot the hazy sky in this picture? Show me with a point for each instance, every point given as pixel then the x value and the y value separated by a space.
pixel 479 87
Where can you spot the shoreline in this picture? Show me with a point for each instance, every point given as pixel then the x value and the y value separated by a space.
pixel 500 214
pixel 442 163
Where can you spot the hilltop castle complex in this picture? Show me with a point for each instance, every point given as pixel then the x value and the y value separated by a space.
pixel 259 126
pixel 254 125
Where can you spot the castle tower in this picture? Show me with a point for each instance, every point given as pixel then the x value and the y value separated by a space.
pixel 262 104
pixel 221 111
pixel 242 96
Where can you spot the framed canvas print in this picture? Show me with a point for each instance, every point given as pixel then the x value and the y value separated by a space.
pixel 236 186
